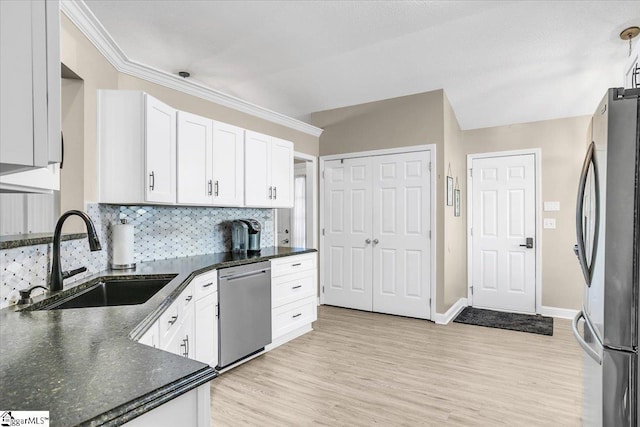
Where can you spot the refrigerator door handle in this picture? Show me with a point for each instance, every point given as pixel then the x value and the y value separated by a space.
pixel 580 252
pixel 574 326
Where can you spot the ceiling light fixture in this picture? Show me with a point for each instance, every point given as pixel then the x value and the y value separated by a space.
pixel 185 74
pixel 629 34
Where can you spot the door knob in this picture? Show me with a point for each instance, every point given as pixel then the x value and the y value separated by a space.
pixel 529 244
pixel 376 241
pixel 367 241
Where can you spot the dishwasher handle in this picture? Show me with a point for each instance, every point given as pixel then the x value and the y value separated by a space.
pixel 244 275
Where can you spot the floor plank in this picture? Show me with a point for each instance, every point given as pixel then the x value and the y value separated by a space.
pixel 360 369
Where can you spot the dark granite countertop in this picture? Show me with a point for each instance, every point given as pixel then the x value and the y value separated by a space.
pixel 18 240
pixel 84 365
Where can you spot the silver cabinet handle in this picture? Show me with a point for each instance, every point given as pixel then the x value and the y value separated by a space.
pixel 296 287
pixel 376 241
pixel 367 241
pixel 210 186
pixel 271 192
pixel 587 349
pixel 275 192
pixel 152 181
pixel 296 315
pixel 173 320
pixel 207 285
pixel 217 188
pixel 296 264
pixel 189 298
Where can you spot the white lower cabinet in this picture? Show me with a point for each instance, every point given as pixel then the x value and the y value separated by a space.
pixel 294 291
pixel 206 332
pixel 191 409
pixel 189 327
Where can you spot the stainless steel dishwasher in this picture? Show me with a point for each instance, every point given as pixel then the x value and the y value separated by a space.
pixel 244 323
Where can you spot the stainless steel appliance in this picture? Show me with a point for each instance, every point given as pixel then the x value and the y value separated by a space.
pixel 245 235
pixel 608 249
pixel 244 323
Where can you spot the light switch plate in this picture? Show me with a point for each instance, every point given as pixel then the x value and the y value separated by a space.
pixel 549 223
pixel 551 206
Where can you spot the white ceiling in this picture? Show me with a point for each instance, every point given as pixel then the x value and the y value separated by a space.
pixel 500 62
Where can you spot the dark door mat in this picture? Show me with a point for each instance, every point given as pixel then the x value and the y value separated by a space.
pixel 535 324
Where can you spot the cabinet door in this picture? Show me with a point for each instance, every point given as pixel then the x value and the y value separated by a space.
pixel 206 330
pixel 182 341
pixel 160 151
pixel 16 83
pixel 195 143
pixel 257 174
pixel 152 336
pixel 282 173
pixel 228 165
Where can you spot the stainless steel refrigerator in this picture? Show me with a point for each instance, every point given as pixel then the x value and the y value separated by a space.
pixel 608 249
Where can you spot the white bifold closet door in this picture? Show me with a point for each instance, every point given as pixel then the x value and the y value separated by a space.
pixel 377 221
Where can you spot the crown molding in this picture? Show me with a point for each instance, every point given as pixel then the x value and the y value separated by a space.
pixel 83 18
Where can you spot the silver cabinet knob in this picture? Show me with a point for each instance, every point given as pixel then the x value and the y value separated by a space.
pixel 367 241
pixel 376 241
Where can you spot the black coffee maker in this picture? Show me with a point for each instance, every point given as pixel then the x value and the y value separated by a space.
pixel 245 236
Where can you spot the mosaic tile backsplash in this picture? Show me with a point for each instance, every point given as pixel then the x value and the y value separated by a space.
pixel 161 232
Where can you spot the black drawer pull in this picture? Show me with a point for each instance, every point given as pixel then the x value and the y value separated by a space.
pixel 173 320
pixel 296 287
pixel 297 264
pixel 207 285
pixel 189 298
pixel 296 315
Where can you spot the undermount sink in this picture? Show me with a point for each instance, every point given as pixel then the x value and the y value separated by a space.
pixel 112 292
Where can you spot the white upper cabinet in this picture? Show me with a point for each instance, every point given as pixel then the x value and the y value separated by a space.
pixel 195 146
pixel 257 178
pixel 137 146
pixel 228 165
pixel 160 151
pixel 30 85
pixel 210 162
pixel 151 153
pixel 268 171
pixel 282 173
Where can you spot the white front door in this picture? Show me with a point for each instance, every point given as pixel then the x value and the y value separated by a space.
pixel 504 216
pixel 348 226
pixel 400 239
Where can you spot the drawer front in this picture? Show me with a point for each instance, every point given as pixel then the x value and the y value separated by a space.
pixel 205 284
pixel 293 264
pixel 290 317
pixel 293 287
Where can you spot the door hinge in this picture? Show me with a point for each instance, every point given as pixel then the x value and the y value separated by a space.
pixel 323 231
pixel 429 234
pixel 429 166
pixel 471 290
pixel 471 173
pixel 323 289
pixel 429 302
pixel 322 174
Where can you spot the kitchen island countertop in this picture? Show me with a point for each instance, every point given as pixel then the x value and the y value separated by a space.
pixel 84 365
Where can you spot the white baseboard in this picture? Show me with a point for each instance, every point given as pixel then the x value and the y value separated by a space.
pixel 456 308
pixel 563 313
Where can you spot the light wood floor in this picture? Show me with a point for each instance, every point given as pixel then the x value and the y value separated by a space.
pixel 359 368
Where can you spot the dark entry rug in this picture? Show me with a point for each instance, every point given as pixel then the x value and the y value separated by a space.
pixel 537 324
